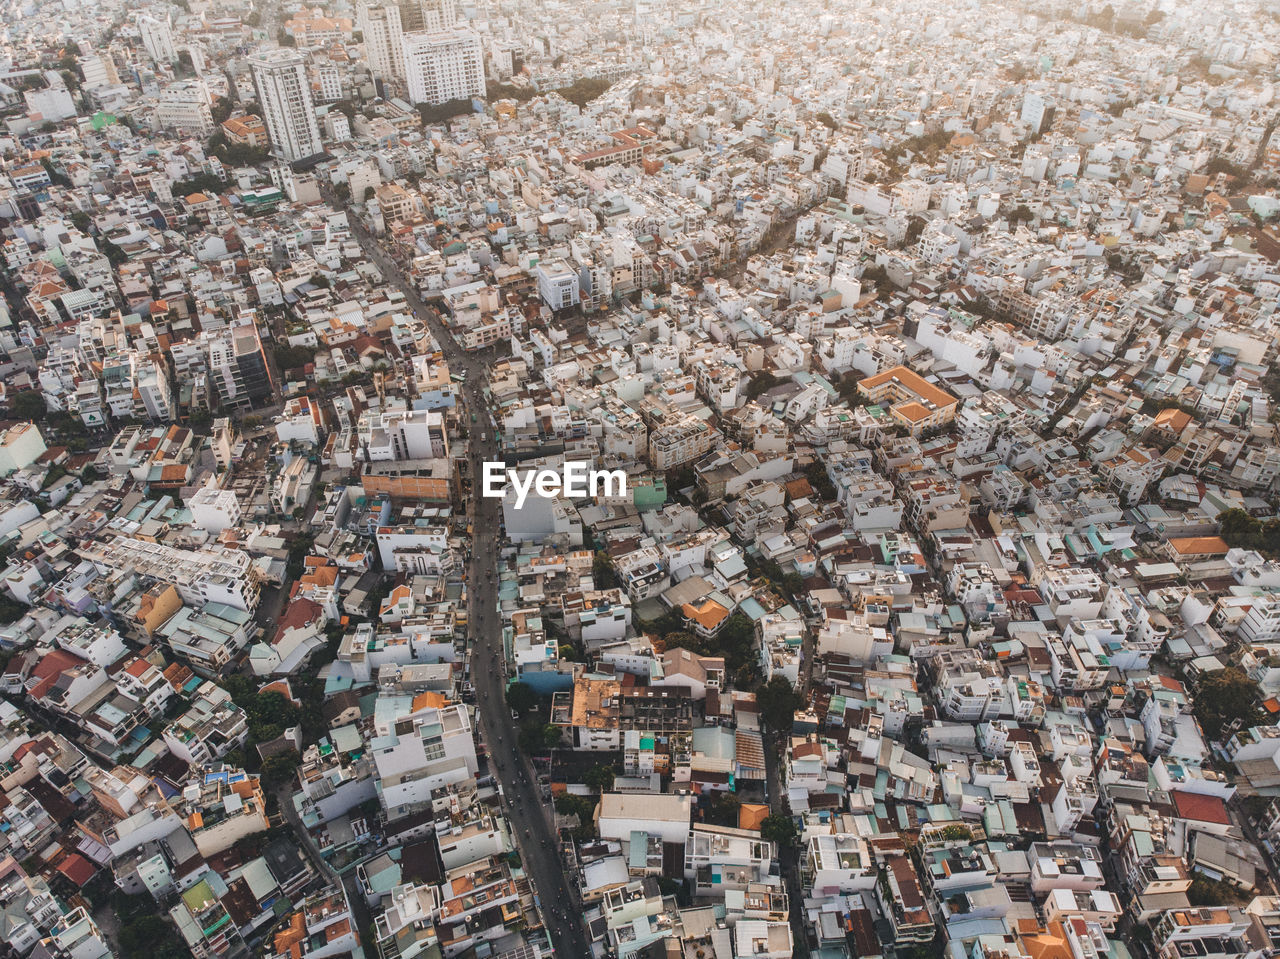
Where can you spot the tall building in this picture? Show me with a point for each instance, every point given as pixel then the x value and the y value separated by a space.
pixel 98 71
pixel 184 107
pixel 157 37
pixel 438 14
pixel 238 365
pixel 1037 112
pixel 429 15
pixel 444 65
pixel 381 26
pixel 284 92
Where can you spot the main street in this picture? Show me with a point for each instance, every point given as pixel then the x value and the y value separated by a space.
pixel 531 826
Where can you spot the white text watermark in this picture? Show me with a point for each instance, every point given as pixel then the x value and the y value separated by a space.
pixel 572 480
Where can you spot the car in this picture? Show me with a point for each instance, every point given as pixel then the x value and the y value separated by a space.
pixel 514 714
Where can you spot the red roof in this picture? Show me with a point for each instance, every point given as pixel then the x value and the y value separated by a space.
pixel 1200 808
pixel 54 662
pixel 300 614
pixel 76 868
pixel 51 666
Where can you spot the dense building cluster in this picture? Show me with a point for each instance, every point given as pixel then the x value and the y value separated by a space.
pixel 938 614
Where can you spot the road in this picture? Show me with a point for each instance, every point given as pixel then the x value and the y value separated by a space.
pixel 350 882
pixel 788 859
pixel 531 828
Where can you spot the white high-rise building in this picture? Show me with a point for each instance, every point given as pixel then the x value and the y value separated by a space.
pixel 444 65
pixel 288 109
pixel 184 107
pixel 380 25
pixel 438 15
pixel 98 71
pixel 157 37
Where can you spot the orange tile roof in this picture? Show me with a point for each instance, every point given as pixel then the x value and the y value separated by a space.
pixel 1172 419
pixel 1200 808
pixel 428 700
pixel 911 381
pixel 1195 545
pixel 709 615
pixel 752 815
pixel 915 412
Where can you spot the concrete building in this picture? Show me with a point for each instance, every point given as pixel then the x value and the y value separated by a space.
pixel 20 446
pixel 157 38
pixel 383 39
pixel 443 66
pixel 284 92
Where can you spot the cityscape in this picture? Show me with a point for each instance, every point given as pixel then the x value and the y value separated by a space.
pixel 639 479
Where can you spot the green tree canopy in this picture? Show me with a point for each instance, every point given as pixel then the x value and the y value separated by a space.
pixel 521 697
pixel 29 405
pixel 781 829
pixel 779 701
pixel 1225 698
pixel 599 778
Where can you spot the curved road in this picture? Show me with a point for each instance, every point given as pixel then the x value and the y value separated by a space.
pixel 531 827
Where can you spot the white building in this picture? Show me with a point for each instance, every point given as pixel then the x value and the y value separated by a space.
pixel 558 284
pixel 215 509
pixel 665 816
pixel 184 108
pixel 403 435
pixel 20 446
pixel 284 92
pixel 443 66
pixel 157 38
pixel 383 40
pixel 421 753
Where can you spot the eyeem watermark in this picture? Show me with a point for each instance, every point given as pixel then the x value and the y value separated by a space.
pixel 573 480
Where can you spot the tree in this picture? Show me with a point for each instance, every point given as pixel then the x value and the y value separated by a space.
pixel 442 112
pixel 1226 699
pixel 115 256
pixel 580 806
pixel 817 476
pixel 369 193
pixel 583 91
pixel 140 936
pixel 828 121
pixel 535 737
pixel 278 769
pixel 10 610
pixel 781 829
pixel 724 809
pixel 521 697
pixel 683 639
pixel 509 91
pixel 599 778
pixel 779 702
pixel 29 405
pixel 760 384
pixel 602 573
pixel 293 357
pixel 201 183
